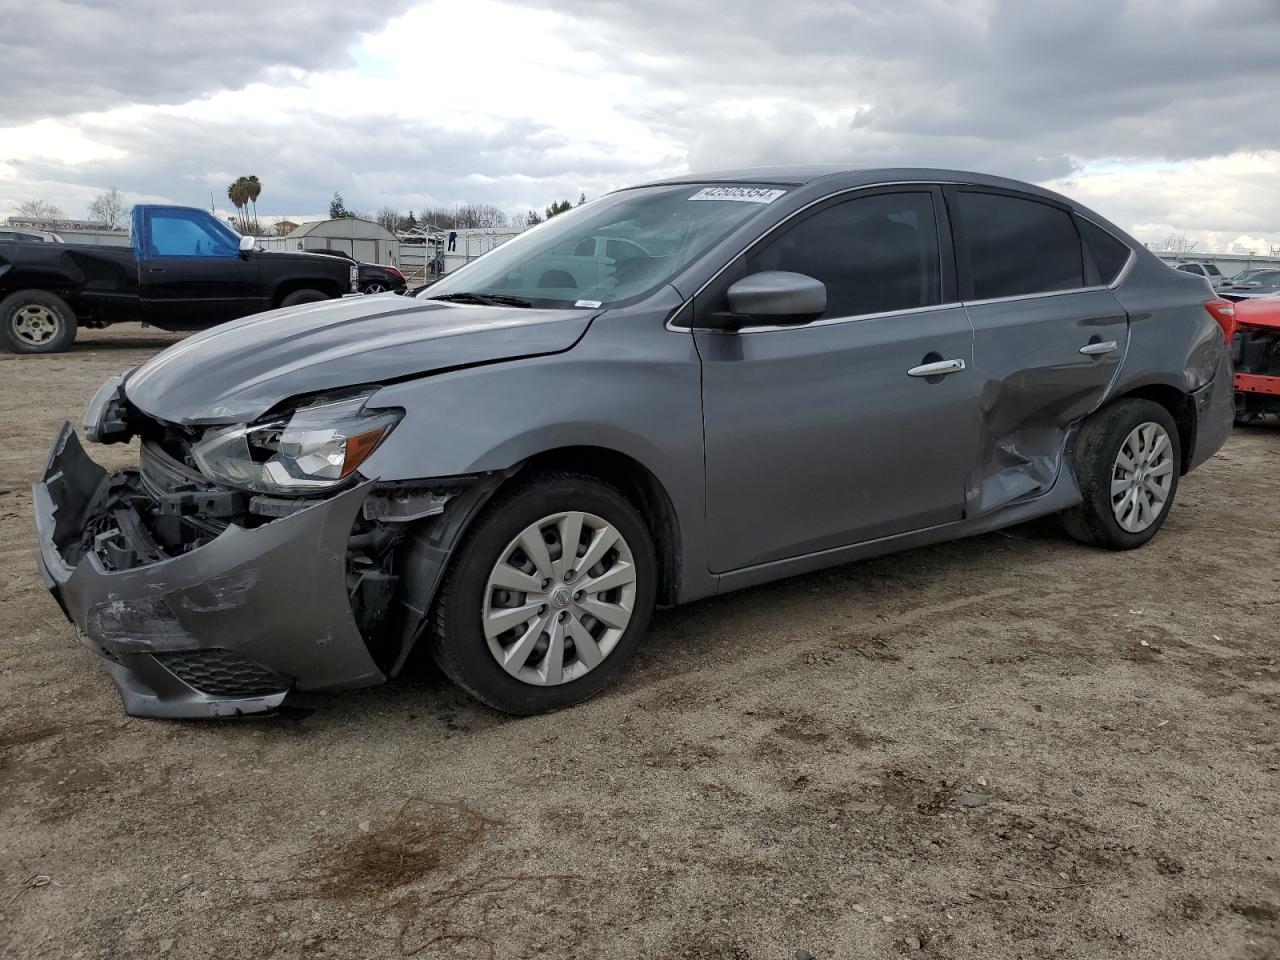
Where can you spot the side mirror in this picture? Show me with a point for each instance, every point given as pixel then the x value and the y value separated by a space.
pixel 774 296
pixel 247 245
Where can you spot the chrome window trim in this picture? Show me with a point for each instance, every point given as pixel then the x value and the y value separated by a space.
pixel 772 328
pixel 1034 296
pixel 828 321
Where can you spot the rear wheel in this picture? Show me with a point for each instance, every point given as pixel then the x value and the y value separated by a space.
pixel 1127 461
pixel 375 286
pixel 303 296
pixel 547 598
pixel 36 321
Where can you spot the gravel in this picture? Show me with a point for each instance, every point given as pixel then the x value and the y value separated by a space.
pixel 788 765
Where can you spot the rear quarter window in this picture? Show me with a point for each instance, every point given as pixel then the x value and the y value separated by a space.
pixel 1108 253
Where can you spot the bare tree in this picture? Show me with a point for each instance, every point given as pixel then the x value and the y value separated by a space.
pixel 1174 243
pixel 389 218
pixel 108 208
pixel 40 210
pixel 464 216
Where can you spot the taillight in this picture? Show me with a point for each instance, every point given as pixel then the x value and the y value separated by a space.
pixel 395 271
pixel 1224 311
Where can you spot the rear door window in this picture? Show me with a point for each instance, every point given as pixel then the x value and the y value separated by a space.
pixel 1017 246
pixel 875 254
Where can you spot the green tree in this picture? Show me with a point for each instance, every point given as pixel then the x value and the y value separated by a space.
pixel 558 206
pixel 238 194
pixel 337 209
pixel 253 190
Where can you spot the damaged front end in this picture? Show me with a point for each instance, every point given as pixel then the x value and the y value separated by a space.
pixel 209 601
pixel 1255 351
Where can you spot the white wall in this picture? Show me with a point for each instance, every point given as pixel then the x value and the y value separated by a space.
pixel 386 252
pixel 1229 263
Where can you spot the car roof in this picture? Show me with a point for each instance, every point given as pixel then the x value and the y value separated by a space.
pixel 838 176
pixel 801 174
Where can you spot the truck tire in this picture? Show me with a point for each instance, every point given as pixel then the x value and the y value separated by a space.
pixel 1127 460
pixel 303 296
pixel 36 321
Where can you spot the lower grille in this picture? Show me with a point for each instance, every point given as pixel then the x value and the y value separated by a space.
pixel 1256 350
pixel 222 673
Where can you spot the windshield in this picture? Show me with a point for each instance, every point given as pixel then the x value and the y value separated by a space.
pixel 1254 276
pixel 1266 281
pixel 612 249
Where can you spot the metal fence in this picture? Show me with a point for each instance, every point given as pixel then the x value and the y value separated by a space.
pixel 434 255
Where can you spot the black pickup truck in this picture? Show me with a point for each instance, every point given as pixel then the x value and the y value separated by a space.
pixel 184 270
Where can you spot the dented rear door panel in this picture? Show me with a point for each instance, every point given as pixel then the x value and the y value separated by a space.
pixel 1035 384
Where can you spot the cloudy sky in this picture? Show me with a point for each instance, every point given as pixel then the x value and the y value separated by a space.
pixel 1162 114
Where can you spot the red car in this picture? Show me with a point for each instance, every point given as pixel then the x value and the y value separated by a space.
pixel 1255 351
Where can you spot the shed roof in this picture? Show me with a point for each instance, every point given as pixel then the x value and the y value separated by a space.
pixel 348 228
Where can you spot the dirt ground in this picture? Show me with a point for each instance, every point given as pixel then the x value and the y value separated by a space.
pixel 1011 746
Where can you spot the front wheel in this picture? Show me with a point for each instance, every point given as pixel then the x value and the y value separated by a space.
pixel 36 321
pixel 299 297
pixel 548 596
pixel 1127 460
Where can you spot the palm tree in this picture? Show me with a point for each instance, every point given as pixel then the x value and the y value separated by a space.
pixel 238 196
pixel 253 190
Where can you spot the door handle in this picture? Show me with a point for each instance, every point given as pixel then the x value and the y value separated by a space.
pixel 937 369
pixel 1097 349
pixel 156 269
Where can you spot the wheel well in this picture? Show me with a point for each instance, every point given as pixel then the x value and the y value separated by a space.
pixel 640 486
pixel 292 286
pixel 1180 406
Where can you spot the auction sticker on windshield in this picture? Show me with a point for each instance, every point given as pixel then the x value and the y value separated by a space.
pixel 743 194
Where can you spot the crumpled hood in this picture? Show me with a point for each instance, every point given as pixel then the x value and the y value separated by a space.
pixel 1259 312
pixel 237 371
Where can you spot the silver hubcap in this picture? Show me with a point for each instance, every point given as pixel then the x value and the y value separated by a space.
pixel 559 598
pixel 374 288
pixel 35 324
pixel 1142 477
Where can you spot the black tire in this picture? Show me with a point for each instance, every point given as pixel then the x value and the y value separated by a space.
pixel 52 310
pixel 368 290
pixel 458 641
pixel 1094 461
pixel 1245 417
pixel 303 296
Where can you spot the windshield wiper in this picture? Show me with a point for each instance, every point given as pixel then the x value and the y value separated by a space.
pixel 488 299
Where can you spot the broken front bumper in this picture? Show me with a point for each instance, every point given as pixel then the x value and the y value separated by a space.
pixel 226 629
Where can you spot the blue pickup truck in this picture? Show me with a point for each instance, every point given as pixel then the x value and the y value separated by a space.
pixel 184 270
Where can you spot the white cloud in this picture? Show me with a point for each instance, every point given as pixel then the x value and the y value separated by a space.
pixel 1222 202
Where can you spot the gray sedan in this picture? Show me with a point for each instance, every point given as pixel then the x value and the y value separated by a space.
pixel 675 391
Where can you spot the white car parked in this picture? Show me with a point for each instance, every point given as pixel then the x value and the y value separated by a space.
pixel 1206 270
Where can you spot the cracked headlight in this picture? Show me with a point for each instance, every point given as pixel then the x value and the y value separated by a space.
pixel 314 448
